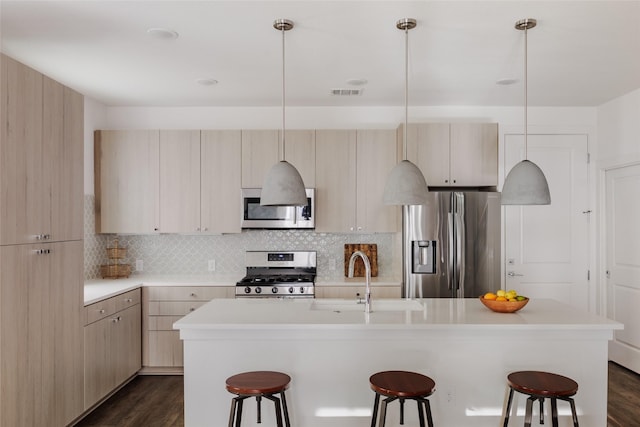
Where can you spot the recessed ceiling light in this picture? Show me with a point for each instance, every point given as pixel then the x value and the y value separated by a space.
pixel 207 82
pixel 162 33
pixel 357 82
pixel 506 81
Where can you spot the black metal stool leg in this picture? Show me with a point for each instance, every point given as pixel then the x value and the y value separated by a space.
pixel 420 412
pixel 239 413
pixel 383 410
pixel 374 416
pixel 508 409
pixel 527 415
pixel 541 410
pixel 574 414
pixel 427 406
pixel 259 401
pixel 554 412
pixel 285 410
pixel 401 411
pixel 232 413
pixel 276 402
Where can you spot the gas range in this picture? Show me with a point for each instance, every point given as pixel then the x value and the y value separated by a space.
pixel 278 274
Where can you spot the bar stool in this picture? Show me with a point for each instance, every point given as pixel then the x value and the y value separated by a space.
pixel 538 386
pixel 258 384
pixel 401 385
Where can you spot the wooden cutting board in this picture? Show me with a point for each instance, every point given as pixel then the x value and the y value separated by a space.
pixel 370 250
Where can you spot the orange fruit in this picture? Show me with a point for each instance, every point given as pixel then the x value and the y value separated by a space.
pixel 501 299
pixel 490 295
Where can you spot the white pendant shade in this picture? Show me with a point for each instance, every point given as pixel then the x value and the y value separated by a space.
pixel 283 186
pixel 405 185
pixel 525 185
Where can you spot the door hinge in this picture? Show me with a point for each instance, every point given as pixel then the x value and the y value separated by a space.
pixel 608 273
pixel 588 157
pixel 588 275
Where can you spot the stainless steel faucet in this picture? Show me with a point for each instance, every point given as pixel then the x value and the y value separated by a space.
pixel 367 270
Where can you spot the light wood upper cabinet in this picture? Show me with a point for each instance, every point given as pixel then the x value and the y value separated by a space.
pixel 24 205
pixel 300 151
pixel 454 154
pixel 351 171
pixel 220 170
pixel 261 149
pixel 126 181
pixel 179 181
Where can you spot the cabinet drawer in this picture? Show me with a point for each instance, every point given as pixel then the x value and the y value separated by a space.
pixel 99 310
pixel 162 323
pixel 189 293
pixel 173 308
pixel 127 299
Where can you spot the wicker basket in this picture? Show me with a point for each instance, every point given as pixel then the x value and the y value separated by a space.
pixel 114 271
pixel 116 252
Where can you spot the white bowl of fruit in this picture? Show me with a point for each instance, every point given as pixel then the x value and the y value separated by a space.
pixel 503 301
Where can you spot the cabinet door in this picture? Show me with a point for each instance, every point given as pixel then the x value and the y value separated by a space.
pixel 220 170
pixel 376 156
pixel 126 349
pixel 98 373
pixel 24 206
pixel 66 300
pixel 335 180
pixel 127 181
pixel 474 154
pixel 428 148
pixel 260 151
pixel 300 151
pixel 64 118
pixel 179 181
pixel 165 349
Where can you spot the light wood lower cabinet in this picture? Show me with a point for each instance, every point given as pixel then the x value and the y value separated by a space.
pixel 348 292
pixel 164 305
pixel 112 344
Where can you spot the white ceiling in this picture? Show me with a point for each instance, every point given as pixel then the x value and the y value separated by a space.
pixel 582 53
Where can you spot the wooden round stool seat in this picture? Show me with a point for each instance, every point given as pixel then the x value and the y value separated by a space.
pixel 259 384
pixel 401 385
pixel 539 385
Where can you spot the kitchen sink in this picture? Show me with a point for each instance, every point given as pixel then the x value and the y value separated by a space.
pixel 376 305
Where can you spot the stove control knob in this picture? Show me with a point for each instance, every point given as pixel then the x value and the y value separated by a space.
pixel 302 289
pixel 291 290
pixel 247 290
pixel 274 290
pixel 258 290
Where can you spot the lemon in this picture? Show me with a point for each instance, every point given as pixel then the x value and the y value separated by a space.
pixel 501 293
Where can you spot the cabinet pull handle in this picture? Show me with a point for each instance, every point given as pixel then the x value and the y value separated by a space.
pixel 128 300
pixel 446 181
pixel 192 309
pixel 193 294
pixel 42 251
pixel 206 229
pixel 102 311
pixel 116 319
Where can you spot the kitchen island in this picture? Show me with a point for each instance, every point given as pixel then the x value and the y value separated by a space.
pixel 331 347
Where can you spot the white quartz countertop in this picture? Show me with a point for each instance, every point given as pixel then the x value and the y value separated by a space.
pixel 273 314
pixel 99 289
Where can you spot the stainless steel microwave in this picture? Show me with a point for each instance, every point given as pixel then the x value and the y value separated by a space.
pixel 256 216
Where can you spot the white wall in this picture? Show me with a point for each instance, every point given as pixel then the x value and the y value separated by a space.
pixel 618 124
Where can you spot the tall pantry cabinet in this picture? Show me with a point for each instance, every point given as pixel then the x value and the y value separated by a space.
pixel 41 249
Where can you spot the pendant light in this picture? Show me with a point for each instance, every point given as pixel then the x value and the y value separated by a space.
pixel 406 184
pixel 525 184
pixel 283 185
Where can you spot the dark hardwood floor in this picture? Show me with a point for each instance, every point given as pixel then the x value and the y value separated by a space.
pixel 158 401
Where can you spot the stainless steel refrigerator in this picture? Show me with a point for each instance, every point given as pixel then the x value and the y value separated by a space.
pixel 452 245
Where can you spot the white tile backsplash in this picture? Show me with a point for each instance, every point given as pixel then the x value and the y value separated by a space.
pixel 189 254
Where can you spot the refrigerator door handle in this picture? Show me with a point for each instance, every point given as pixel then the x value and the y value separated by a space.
pixel 460 251
pixel 451 249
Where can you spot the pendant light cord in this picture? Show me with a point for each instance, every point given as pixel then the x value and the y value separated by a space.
pixel 283 67
pixel 406 92
pixel 526 154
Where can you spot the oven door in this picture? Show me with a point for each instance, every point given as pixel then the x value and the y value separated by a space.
pixel 256 216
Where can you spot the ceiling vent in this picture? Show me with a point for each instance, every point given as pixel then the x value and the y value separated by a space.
pixel 346 92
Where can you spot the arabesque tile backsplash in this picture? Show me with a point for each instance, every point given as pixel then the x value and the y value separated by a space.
pixel 189 254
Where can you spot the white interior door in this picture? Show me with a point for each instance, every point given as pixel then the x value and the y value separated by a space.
pixel 546 247
pixel 623 262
